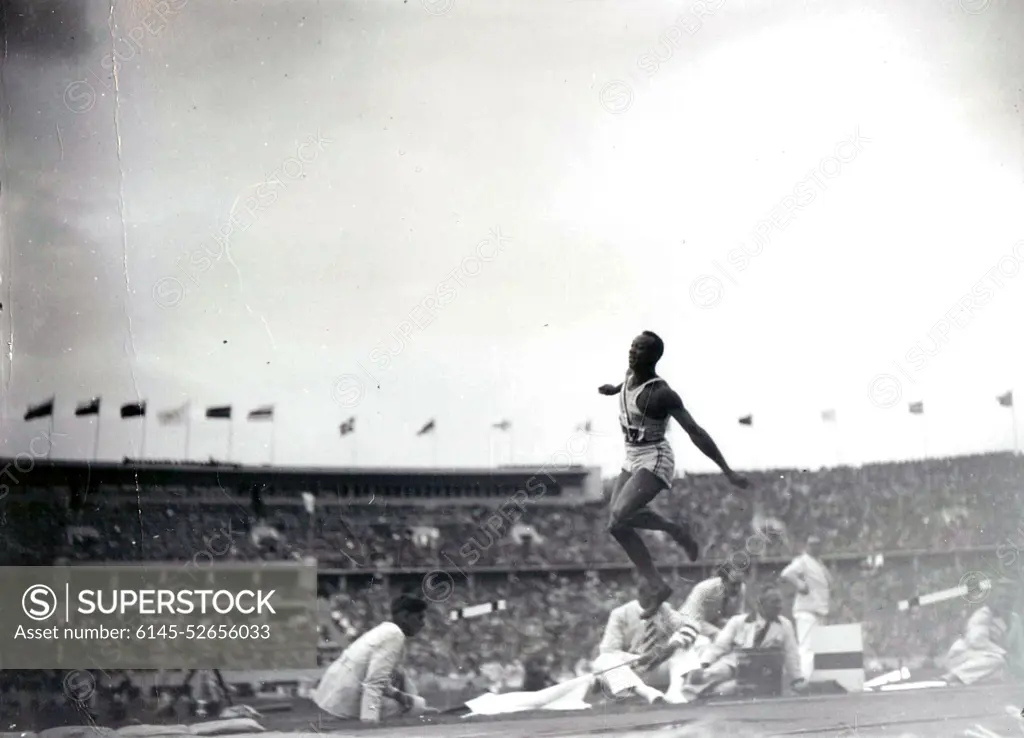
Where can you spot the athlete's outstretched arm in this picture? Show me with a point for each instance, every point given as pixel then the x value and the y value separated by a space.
pixel 674 405
pixel 610 389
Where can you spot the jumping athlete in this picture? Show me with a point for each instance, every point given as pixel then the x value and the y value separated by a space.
pixel 646 405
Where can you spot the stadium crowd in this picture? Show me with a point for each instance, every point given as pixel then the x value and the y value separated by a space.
pixel 925 518
pixel 953 503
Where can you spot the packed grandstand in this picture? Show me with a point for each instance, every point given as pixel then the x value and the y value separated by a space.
pixel 890 531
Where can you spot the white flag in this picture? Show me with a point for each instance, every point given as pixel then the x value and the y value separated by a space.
pixel 309 501
pixel 173 417
pixel 569 695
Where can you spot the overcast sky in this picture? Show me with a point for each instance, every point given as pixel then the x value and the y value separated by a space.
pixel 544 180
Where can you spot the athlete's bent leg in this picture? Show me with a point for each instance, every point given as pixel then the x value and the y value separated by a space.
pixel 637 552
pixel 642 487
pixel 681 533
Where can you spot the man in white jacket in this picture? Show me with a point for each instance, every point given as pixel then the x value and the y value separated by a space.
pixel 627 638
pixel 810 608
pixel 366 682
pixel 766 628
pixel 711 600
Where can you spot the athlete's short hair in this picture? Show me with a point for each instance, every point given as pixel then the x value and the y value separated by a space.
pixel 659 345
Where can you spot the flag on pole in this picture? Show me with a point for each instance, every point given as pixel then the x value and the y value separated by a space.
pixel 828 416
pixel 503 425
pixel 220 411
pixel 584 427
pixel 262 413
pixel 133 410
pixel 349 426
pixel 173 417
pixel 916 408
pixel 747 420
pixel 90 407
pixel 428 428
pixel 1006 400
pixel 44 410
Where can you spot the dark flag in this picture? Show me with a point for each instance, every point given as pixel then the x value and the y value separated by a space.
pixel 916 408
pixel 585 427
pixel 428 428
pixel 503 425
pixel 91 407
pixel 133 410
pixel 349 426
pixel 45 410
pixel 1006 400
pixel 262 413
pixel 747 420
pixel 224 411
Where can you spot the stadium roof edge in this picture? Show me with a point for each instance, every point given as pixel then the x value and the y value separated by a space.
pixel 198 466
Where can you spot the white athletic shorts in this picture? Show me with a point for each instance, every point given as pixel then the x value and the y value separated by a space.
pixel 654 457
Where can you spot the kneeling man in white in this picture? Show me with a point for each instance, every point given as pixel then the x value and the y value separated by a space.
pixel 365 683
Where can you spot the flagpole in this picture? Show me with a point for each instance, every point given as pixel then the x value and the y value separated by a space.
pixel 142 448
pixel 188 430
pixel 49 446
pixel 838 440
pixel 231 437
pixel 924 434
pixel 757 449
pixel 754 455
pixel 96 439
pixel 1013 419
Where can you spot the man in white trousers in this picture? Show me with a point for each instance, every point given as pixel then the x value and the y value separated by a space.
pixel 810 608
pixel 708 603
pixel 366 682
pixel 627 639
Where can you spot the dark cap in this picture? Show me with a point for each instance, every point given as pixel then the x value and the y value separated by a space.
pixel 407 603
pixel 728 573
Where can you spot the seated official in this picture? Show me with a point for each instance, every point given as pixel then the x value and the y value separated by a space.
pixel 627 639
pixel 992 647
pixel 694 625
pixel 710 601
pixel 366 682
pixel 766 628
